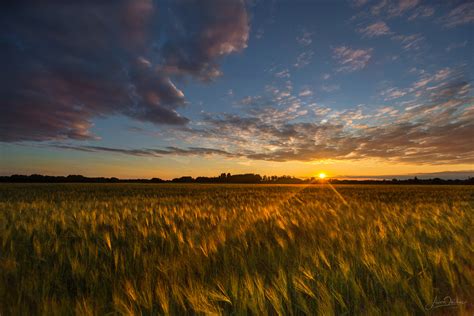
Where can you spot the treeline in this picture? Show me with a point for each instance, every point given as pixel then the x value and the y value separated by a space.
pixel 223 178
pixel 38 178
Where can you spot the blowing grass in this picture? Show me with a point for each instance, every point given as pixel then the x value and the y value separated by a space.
pixel 95 249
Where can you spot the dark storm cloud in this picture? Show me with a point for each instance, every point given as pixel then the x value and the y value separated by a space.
pixel 202 32
pixel 65 63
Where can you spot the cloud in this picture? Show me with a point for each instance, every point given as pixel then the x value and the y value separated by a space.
pixel 359 3
pixel 330 87
pixel 435 128
pixel 321 111
pixel 424 85
pixel 460 15
pixel 393 8
pixel 305 92
pixel 378 8
pixel 375 30
pixel 203 31
pixel 285 73
pixel 251 100
pixel 440 75
pixel 393 93
pixel 402 6
pixel 410 42
pixel 352 59
pixel 305 38
pixel 148 152
pixel 454 46
pixel 64 64
pixel 304 59
pixel 260 33
pixel 422 12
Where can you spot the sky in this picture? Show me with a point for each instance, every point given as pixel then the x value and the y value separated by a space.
pixel 143 88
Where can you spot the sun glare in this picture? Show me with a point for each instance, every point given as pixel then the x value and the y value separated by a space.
pixel 322 175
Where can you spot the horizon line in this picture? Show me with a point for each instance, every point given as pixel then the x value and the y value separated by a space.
pixel 444 175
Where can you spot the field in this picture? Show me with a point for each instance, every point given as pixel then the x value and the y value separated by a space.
pixel 95 249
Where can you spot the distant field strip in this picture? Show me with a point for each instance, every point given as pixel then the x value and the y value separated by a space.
pixel 176 249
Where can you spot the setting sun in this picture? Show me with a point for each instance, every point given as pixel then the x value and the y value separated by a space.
pixel 322 175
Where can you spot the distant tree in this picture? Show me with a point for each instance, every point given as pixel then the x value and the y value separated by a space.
pixel 185 179
pixel 157 180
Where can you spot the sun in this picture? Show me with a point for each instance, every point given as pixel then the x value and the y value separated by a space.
pixel 322 175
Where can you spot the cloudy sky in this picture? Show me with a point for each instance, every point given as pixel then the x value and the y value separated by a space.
pixel 143 88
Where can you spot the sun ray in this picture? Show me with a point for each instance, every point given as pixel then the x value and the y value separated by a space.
pixel 338 194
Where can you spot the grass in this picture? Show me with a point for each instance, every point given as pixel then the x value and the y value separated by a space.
pixel 95 249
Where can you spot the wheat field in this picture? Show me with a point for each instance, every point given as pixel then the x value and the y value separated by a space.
pixel 147 249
